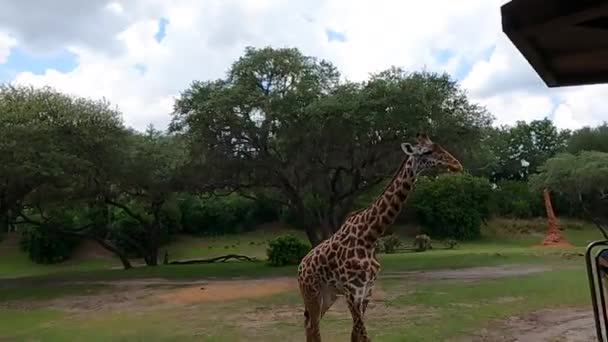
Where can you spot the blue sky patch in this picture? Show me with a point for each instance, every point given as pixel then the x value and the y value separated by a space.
pixel 463 66
pixel 141 68
pixel 442 55
pixel 20 60
pixel 335 36
pixel 162 29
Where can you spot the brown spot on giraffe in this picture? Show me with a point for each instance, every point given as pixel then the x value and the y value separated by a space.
pixel 347 260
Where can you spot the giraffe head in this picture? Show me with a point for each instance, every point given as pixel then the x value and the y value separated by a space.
pixel 429 154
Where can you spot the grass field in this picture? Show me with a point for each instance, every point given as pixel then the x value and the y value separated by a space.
pixel 462 294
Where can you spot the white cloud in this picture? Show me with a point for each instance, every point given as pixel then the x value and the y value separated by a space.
pixel 204 37
pixel 518 106
pixel 6 43
pixel 582 106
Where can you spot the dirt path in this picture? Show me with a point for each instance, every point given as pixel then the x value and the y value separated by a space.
pixel 555 325
pixel 471 273
pixel 552 325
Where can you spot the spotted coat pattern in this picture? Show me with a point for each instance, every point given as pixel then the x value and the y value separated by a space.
pixel 346 263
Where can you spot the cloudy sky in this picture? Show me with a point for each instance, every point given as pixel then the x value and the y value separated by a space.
pixel 140 54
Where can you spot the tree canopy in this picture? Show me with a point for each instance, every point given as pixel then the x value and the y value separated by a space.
pixel 582 177
pixel 519 150
pixel 281 136
pixel 285 121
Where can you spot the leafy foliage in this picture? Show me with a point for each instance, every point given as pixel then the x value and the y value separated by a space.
pixel 44 247
pixel 515 199
pixel 53 140
pixel 286 250
pixel 575 175
pixel 286 139
pixel 225 214
pixel 519 150
pixel 582 178
pixel 589 139
pixel 452 205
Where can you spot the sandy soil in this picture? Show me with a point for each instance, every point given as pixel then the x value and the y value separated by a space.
pixel 228 290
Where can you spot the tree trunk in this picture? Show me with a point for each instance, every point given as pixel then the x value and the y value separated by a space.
pixel 312 236
pixel 553 236
pixel 151 258
pixel 126 264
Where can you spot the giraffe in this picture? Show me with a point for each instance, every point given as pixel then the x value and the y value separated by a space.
pixel 346 263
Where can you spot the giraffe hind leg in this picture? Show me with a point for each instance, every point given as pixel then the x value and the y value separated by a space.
pixel 329 298
pixel 312 298
pixel 312 315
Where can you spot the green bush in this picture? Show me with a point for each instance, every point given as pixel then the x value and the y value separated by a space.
pixel 44 247
pixel 286 250
pixel 225 214
pixel 452 205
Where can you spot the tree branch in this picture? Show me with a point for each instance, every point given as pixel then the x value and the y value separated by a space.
pixel 222 258
pixel 127 211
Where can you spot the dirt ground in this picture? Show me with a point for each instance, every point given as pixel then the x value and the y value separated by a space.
pixel 555 325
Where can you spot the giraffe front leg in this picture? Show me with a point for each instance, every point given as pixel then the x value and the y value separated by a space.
pixel 359 333
pixel 368 297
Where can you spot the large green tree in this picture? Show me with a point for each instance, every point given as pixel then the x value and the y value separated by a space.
pixel 284 121
pixel 519 150
pixel 583 178
pixel 143 188
pixel 589 139
pixel 53 148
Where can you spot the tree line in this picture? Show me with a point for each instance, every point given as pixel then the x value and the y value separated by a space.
pixel 281 137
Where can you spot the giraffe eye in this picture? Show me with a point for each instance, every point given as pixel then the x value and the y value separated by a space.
pixel 426 153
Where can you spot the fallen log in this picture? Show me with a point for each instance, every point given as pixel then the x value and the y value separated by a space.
pixel 221 258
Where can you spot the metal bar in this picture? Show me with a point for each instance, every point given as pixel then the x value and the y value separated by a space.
pixel 602 296
pixel 598 327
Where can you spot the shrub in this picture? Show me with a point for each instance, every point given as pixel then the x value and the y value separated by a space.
pixel 286 250
pixel 422 243
pixel 44 247
pixel 452 205
pixel 388 244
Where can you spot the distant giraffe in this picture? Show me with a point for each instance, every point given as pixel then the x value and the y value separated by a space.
pixel 346 264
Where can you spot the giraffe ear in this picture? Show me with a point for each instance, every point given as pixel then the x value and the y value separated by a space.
pixel 407 148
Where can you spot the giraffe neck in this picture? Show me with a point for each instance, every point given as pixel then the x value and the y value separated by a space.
pixel 384 210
